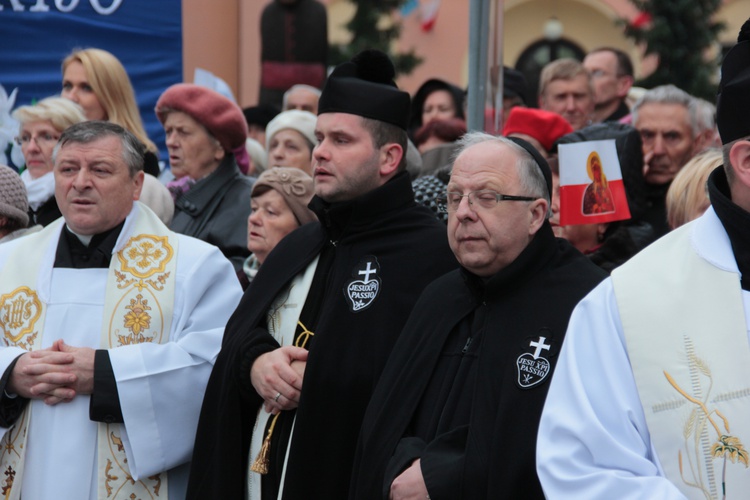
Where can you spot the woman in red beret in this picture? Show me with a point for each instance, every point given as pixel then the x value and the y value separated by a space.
pixel 203 128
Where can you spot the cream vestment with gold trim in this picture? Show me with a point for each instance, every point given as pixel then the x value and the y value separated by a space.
pixel 160 309
pixel 686 335
pixel 662 414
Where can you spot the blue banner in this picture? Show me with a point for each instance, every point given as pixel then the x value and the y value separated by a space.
pixel 145 35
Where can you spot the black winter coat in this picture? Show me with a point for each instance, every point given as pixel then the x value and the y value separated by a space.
pixel 216 209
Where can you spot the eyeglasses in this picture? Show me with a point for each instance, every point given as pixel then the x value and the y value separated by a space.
pixel 41 140
pixel 484 199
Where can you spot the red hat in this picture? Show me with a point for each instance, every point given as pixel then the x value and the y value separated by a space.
pixel 544 126
pixel 222 118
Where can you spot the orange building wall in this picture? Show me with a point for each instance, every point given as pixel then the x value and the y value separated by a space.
pixel 223 36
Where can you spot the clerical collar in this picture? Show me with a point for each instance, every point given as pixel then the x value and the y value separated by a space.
pixel 735 220
pixel 73 252
pixel 531 260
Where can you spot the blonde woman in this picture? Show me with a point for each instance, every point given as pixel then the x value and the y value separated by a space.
pixel 97 81
pixel 687 197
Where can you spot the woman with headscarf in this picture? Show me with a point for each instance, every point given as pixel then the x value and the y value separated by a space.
pixel 97 81
pixel 290 139
pixel 435 100
pixel 202 129
pixel 41 125
pixel 279 206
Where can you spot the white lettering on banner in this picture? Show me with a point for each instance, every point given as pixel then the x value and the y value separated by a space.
pixel 62 6
pixel 105 11
pixel 17 6
pixel 66 8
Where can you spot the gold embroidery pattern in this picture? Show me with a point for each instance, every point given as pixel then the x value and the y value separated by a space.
pixel 698 423
pixel 136 321
pixel 142 274
pixel 144 488
pixel 19 312
pixel 145 255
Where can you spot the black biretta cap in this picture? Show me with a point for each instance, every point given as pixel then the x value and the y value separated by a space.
pixel 364 86
pixel 733 101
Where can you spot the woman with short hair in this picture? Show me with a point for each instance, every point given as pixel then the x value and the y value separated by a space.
pixel 41 125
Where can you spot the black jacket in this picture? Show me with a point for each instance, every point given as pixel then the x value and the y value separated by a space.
pixel 216 209
pixel 492 456
pixel 46 213
pixel 347 352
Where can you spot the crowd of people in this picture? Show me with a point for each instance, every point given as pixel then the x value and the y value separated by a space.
pixel 355 296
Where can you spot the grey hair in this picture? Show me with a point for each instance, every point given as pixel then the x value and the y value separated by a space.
pixel 705 113
pixel 529 173
pixel 669 94
pixel 299 86
pixel 90 131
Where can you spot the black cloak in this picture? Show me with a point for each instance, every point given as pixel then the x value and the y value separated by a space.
pixel 493 456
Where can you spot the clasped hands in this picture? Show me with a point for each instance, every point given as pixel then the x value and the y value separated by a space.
pixel 55 375
pixel 277 377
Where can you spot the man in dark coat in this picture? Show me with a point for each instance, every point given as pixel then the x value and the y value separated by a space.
pixel 294 47
pixel 334 295
pixel 456 410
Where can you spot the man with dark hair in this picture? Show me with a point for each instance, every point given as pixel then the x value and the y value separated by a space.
pixel 456 411
pixel 650 396
pixel 612 76
pixel 110 324
pixel 307 344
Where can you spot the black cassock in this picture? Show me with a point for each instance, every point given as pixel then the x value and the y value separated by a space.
pixel 383 230
pixel 465 385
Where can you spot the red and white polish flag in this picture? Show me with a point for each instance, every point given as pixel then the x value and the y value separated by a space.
pixel 591 187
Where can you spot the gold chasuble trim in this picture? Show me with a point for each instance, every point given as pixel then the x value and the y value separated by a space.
pixel 22 314
pixel 138 308
pixel 687 341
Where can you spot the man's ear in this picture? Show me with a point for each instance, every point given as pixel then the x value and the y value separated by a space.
pixel 623 85
pixel 390 158
pixel 138 179
pixel 739 157
pixel 538 209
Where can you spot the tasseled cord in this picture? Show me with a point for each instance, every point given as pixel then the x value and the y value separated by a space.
pixel 261 462
pixel 260 465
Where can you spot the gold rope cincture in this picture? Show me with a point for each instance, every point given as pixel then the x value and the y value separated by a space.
pixel 260 465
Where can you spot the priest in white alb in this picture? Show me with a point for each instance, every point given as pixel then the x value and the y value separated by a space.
pixel 110 323
pixel 651 396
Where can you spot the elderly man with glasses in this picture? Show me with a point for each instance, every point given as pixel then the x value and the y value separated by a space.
pixel 455 413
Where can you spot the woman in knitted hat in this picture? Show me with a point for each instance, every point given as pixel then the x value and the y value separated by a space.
pixel 13 206
pixel 203 128
pixel 41 125
pixel 279 206
pixel 97 81
pixel 290 139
